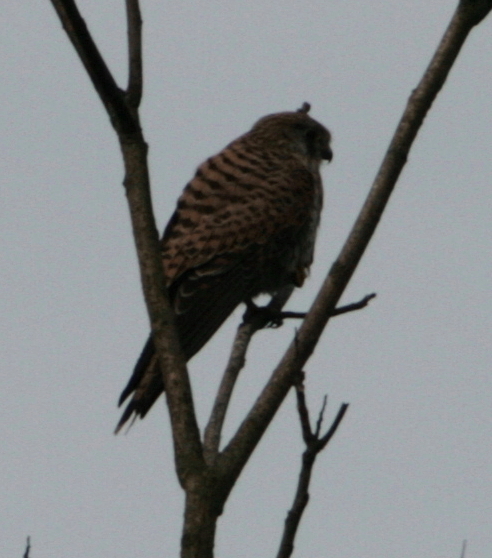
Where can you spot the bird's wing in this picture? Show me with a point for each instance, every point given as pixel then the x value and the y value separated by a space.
pixel 230 208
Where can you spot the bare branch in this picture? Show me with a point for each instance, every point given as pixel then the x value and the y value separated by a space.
pixel 186 436
pixel 236 363
pixel 109 92
pixel 252 322
pixel 303 411
pixel 314 445
pixel 319 422
pixel 237 452
pixel 323 441
pixel 135 73
pixel 337 312
pixel 28 548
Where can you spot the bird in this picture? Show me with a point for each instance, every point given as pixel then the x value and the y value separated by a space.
pixel 244 225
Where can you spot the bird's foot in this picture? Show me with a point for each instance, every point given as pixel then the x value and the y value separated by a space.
pixel 262 316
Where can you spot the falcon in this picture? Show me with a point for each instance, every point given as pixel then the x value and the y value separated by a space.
pixel 244 225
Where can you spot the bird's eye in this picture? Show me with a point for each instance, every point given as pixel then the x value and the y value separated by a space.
pixel 310 137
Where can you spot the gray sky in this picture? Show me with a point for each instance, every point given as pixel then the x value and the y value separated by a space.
pixel 409 473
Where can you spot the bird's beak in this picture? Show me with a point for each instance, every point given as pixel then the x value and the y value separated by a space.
pixel 327 154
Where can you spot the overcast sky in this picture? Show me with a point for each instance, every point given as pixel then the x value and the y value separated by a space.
pixel 409 473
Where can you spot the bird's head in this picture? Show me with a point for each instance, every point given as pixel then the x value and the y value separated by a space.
pixel 298 130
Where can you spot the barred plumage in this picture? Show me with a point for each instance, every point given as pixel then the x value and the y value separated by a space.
pixel 244 225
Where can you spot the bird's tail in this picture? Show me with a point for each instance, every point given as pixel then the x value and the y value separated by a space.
pixel 211 301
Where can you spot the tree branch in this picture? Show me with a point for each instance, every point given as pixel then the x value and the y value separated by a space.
pixel 135 71
pixel 109 92
pixel 186 435
pixel 337 312
pixel 28 548
pixel 314 445
pixel 237 452
pixel 252 322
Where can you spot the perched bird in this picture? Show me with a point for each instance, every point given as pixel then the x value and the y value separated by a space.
pixel 244 225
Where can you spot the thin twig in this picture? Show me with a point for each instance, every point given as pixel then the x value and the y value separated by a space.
pixel 135 74
pixel 314 445
pixel 319 422
pixel 28 548
pixel 337 312
pixel 303 411
pixel 354 306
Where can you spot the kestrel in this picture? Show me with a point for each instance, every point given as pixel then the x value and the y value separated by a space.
pixel 244 225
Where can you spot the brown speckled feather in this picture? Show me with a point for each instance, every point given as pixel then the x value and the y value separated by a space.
pixel 244 225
